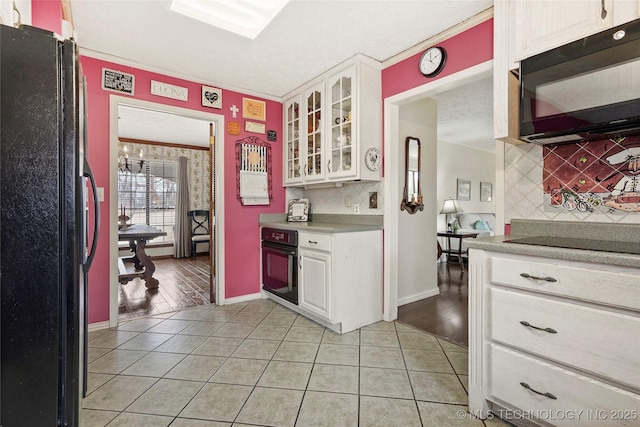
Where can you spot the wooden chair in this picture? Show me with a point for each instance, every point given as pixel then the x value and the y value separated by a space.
pixel 199 229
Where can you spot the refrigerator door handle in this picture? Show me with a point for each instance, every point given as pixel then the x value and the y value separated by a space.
pixel 96 215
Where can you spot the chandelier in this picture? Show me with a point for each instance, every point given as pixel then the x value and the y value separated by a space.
pixel 129 165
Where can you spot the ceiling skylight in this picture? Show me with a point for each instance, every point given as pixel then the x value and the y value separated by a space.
pixel 244 17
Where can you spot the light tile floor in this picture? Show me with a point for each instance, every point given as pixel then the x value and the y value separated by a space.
pixel 261 364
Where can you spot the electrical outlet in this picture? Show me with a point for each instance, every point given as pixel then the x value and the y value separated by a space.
pixel 356 208
pixel 347 201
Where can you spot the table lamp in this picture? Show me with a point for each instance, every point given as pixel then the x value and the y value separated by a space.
pixel 448 207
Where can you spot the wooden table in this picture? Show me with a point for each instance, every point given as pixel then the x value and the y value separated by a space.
pixel 137 235
pixel 457 252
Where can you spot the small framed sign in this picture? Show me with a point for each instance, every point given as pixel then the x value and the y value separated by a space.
pixel 272 135
pixel 254 127
pixel 298 210
pixel 117 81
pixel 169 91
pixel 254 109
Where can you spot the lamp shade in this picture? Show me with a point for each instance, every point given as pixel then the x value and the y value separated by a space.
pixel 450 206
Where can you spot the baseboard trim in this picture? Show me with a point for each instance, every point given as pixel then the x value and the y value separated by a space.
pixel 417 297
pixel 242 298
pixel 98 326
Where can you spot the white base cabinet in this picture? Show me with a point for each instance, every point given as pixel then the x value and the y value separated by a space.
pixel 315 275
pixel 340 278
pixel 554 341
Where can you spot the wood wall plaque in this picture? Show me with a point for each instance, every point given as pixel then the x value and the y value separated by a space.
pixel 254 109
pixel 233 128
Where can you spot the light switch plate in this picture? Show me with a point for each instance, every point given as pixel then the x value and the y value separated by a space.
pixel 373 200
pixel 100 194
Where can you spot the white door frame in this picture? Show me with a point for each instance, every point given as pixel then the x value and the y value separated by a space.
pixel 393 175
pixel 114 102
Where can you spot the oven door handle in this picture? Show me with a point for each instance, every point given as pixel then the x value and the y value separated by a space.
pixel 291 270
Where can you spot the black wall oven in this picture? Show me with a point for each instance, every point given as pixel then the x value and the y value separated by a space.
pixel 280 263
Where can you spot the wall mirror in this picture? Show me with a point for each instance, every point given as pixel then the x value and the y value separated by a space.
pixel 412 196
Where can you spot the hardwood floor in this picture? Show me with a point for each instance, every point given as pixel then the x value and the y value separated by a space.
pixel 184 283
pixel 445 315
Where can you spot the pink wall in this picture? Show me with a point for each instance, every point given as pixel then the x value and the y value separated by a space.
pixel 47 14
pixel 242 249
pixel 471 47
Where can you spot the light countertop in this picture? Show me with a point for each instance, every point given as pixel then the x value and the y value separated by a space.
pixel 325 223
pixel 565 229
pixel 497 244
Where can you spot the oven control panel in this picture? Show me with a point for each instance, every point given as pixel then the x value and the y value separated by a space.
pixel 284 237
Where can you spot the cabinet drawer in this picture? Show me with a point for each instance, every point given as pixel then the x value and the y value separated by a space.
pixel 590 402
pixel 599 341
pixel 609 285
pixel 321 242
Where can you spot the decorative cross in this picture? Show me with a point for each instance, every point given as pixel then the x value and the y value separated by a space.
pixel 234 110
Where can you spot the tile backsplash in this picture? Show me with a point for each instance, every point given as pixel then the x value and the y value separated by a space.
pixel 332 200
pixel 552 183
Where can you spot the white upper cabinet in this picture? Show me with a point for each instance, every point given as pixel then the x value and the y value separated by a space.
pixel 314 153
pixel 337 121
pixel 523 28
pixel 540 25
pixel 292 152
pixel 342 150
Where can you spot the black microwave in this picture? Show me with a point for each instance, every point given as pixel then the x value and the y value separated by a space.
pixel 583 91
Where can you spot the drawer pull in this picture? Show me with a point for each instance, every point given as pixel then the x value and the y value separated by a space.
pixel 528 387
pixel 312 242
pixel 546 279
pixel 529 325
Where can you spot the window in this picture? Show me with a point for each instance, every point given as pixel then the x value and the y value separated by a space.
pixel 147 190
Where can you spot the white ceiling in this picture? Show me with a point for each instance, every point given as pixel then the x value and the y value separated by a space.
pixel 305 39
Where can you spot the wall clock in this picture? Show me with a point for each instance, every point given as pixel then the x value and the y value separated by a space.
pixel 432 61
pixel 373 159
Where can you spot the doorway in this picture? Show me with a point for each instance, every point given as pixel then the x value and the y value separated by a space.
pixel 212 153
pixel 396 236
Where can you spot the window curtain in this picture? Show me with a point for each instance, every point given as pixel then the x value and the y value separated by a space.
pixel 182 244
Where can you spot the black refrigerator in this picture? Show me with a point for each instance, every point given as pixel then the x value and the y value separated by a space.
pixel 44 260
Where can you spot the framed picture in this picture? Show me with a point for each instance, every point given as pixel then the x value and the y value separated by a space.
pixel 464 189
pixel 211 97
pixel 486 191
pixel 298 210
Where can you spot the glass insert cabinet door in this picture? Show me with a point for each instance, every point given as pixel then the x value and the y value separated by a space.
pixel 313 165
pixel 292 118
pixel 343 136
